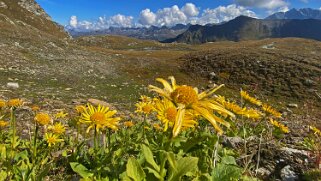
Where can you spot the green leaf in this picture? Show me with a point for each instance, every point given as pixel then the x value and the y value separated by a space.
pixel 191 143
pixel 184 165
pixel 81 170
pixel 228 160
pixel 3 175
pixel 224 172
pixel 149 157
pixel 134 170
pixel 171 160
pixel 43 172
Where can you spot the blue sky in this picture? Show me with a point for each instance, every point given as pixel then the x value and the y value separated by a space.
pixel 104 13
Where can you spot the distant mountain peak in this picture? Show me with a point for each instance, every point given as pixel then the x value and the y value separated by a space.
pixel 304 13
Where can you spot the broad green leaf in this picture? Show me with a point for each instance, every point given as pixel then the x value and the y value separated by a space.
pixel 3 175
pixel 81 170
pixel 172 161
pixel 44 172
pixel 134 170
pixel 149 157
pixel 184 165
pixel 228 160
pixel 224 172
pixel 191 143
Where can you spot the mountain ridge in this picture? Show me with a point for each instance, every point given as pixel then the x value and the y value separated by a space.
pixel 247 28
pixel 303 13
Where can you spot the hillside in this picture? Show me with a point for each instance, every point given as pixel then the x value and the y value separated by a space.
pixel 280 68
pixel 246 28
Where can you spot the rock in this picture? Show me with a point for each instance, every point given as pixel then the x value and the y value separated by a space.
pixel 263 172
pixel 212 76
pixel 292 151
pixel 292 105
pixel 233 142
pixel 97 102
pixel 309 82
pixel 3 5
pixel 13 85
pixel 287 174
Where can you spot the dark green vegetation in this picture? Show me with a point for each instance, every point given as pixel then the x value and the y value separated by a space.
pixel 246 28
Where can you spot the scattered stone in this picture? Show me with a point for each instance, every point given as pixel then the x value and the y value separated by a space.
pixel 263 172
pixel 287 174
pixel 212 76
pixel 309 82
pixel 97 102
pixel 68 89
pixel 3 5
pixel 292 151
pixel 13 85
pixel 233 142
pixel 293 105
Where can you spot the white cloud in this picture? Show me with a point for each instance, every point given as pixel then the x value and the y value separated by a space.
pixel 223 13
pixel 305 1
pixel 73 21
pixel 102 23
pixel 265 4
pixel 190 9
pixel 120 21
pixel 283 9
pixel 147 17
pixel 168 16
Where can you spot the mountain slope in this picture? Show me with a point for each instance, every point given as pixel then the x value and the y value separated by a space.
pixel 305 13
pixel 246 28
pixel 29 17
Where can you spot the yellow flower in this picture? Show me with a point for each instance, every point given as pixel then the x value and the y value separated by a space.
pixel 271 111
pixel 144 98
pixel 58 128
pixel 144 107
pixel 315 130
pixel 61 114
pixel 35 108
pixel 2 103
pixel 80 109
pixel 128 124
pixel 232 106
pixel 43 118
pixel 15 103
pixel 252 100
pixel 282 127
pixel 167 113
pixel 52 139
pixel 188 98
pixel 3 123
pixel 99 118
pixel 252 113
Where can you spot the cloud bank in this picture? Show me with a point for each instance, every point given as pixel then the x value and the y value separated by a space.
pixel 168 16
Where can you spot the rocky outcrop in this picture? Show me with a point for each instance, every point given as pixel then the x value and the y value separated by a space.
pixel 34 8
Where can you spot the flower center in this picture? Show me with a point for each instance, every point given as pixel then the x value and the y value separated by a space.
pixel 42 118
pixel 51 140
pixel 147 109
pixel 97 117
pixel 184 95
pixel 171 114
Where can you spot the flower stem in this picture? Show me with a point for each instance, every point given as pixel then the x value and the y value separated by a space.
pixel 35 144
pixel 13 123
pixel 95 138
